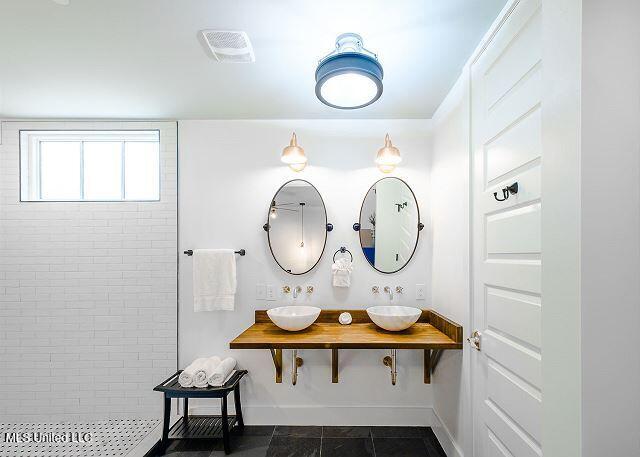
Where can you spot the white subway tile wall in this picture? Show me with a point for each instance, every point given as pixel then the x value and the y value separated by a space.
pixel 88 294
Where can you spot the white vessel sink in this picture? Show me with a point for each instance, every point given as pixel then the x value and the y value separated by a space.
pixel 293 318
pixel 394 318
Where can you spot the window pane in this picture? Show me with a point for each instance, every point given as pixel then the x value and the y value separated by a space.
pixel 102 170
pixel 60 170
pixel 142 170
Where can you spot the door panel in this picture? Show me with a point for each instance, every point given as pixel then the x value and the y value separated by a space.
pixel 513 51
pixel 514 231
pixel 520 359
pixel 512 312
pixel 515 147
pixel 512 273
pixel 507 249
pixel 515 397
pixel 511 436
pixel 496 448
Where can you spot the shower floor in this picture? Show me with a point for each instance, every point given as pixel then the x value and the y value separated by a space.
pixel 105 438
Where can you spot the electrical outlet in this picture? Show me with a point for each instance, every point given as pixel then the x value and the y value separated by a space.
pixel 261 292
pixel 420 291
pixel 271 292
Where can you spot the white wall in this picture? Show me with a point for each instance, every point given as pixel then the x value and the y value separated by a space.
pixel 229 171
pixel 450 269
pixel 87 295
pixel 610 232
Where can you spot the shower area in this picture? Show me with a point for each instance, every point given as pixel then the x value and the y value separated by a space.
pixel 88 312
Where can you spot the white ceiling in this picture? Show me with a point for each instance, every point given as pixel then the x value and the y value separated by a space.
pixel 143 58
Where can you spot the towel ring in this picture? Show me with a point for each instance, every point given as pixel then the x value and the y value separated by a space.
pixel 342 250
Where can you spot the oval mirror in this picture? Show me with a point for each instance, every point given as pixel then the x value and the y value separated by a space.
pixel 389 225
pixel 297 226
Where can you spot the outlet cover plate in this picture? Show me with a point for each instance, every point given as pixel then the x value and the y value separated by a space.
pixel 271 292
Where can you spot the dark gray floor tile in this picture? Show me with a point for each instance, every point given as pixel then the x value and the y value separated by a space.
pixel 399 432
pixel 187 454
pixel 245 446
pixel 194 446
pixel 294 446
pixel 433 445
pixel 346 432
pixel 400 447
pixel 347 447
pixel 254 430
pixel 312 431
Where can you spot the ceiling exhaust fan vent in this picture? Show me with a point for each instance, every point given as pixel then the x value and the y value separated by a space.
pixel 228 46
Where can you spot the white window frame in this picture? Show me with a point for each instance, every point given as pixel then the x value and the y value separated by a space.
pixel 30 159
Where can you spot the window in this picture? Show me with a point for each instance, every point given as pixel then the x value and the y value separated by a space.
pixel 89 165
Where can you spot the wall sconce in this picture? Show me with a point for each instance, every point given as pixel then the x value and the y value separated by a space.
pixel 293 155
pixel 388 156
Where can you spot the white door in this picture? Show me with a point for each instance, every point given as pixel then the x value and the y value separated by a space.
pixel 506 140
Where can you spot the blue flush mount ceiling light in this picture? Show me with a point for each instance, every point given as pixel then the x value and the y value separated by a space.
pixel 350 77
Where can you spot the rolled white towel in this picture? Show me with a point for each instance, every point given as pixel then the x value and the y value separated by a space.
pixel 222 371
pixel 201 377
pixel 186 378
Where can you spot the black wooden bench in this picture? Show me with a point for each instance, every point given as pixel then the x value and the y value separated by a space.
pixel 201 427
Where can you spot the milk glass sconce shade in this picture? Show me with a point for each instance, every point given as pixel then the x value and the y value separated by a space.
pixel 388 156
pixel 293 155
pixel 350 77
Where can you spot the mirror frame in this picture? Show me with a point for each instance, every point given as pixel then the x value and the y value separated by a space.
pixel 327 228
pixel 356 226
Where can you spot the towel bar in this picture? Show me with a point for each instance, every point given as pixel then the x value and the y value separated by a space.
pixel 241 252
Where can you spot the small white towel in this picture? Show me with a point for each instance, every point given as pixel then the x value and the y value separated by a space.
pixel 186 377
pixel 214 279
pixel 206 369
pixel 341 272
pixel 222 371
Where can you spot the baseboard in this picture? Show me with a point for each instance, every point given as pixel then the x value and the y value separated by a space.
pixel 445 438
pixel 330 415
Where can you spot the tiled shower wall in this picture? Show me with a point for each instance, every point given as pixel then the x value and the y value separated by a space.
pixel 88 294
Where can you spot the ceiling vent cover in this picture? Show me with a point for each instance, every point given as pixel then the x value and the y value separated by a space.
pixel 228 46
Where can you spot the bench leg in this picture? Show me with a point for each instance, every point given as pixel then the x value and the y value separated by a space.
pixel 225 426
pixel 185 408
pixel 165 424
pixel 236 399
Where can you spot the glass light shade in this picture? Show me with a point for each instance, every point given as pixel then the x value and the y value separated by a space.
pixel 293 155
pixel 348 90
pixel 388 156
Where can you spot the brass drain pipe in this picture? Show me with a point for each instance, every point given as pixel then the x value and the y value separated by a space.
pixel 296 362
pixel 390 361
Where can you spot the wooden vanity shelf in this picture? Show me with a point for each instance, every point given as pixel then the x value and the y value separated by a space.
pixel 432 334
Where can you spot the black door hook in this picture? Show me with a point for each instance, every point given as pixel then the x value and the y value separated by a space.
pixel 512 189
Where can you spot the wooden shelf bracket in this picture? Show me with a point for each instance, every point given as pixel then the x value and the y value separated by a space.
pixel 431 359
pixel 276 355
pixel 334 366
pixel 435 358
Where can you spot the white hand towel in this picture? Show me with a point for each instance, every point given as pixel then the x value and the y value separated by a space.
pixel 222 371
pixel 214 279
pixel 186 377
pixel 341 272
pixel 201 376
